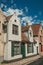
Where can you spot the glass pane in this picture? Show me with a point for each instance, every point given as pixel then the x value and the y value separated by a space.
pixel 29 48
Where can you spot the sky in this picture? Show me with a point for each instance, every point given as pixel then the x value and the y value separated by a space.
pixel 28 10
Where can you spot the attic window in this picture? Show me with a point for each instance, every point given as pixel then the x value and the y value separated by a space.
pixel 30 33
pixel 15 29
pixel 41 31
pixel 4 28
pixel 15 20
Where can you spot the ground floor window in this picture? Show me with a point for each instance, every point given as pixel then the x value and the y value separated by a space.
pixel 30 48
pixel 15 48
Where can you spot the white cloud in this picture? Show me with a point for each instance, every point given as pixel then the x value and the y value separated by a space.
pixel 18 12
pixel 35 16
pixel 42 22
pixel 2 5
pixel 26 9
pixel 11 11
pixel 27 19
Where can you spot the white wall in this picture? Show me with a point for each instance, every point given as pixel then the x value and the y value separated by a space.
pixel 7 55
pixel 30 54
pixel 30 37
pixel 13 36
pixel 27 33
pixel 37 43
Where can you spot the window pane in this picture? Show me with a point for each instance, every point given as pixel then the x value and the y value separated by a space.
pixel 15 29
pixel 29 48
pixel 16 48
pixel 4 28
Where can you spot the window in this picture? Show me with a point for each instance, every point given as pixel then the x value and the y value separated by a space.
pixel 30 33
pixel 15 20
pixel 41 31
pixel 15 48
pixel 4 28
pixel 29 48
pixel 15 29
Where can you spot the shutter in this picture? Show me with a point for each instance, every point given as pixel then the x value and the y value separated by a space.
pixel 12 50
pixel 32 48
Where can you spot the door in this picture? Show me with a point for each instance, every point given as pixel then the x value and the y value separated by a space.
pixel 23 49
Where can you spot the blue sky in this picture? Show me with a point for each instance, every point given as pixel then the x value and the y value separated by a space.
pixel 32 9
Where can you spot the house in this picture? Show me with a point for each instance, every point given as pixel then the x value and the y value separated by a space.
pixel 28 43
pixel 10 47
pixel 12 41
pixel 18 42
pixel 2 19
pixel 37 35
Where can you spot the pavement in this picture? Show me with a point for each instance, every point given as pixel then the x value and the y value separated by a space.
pixel 23 61
pixel 37 62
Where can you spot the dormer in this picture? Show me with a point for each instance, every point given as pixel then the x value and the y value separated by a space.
pixel 30 34
pixel 14 27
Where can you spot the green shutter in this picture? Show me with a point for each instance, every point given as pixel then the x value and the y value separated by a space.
pixel 12 49
pixel 32 48
pixel 23 49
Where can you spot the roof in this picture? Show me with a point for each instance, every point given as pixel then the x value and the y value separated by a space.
pixel 25 28
pixel 24 38
pixel 8 17
pixel 35 28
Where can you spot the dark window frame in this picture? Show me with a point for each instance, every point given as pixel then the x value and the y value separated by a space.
pixel 14 46
pixel 4 28
pixel 30 33
pixel 15 29
pixel 32 49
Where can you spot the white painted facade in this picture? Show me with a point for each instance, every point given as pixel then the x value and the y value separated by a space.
pixel 30 37
pixel 27 33
pixel 30 54
pixel 12 37
pixel 7 55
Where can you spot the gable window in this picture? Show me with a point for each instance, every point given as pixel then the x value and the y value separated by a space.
pixel 30 33
pixel 4 28
pixel 15 49
pixel 15 29
pixel 15 20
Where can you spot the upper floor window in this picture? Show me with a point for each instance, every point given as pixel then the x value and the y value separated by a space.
pixel 4 28
pixel 41 31
pixel 15 20
pixel 15 29
pixel 30 33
